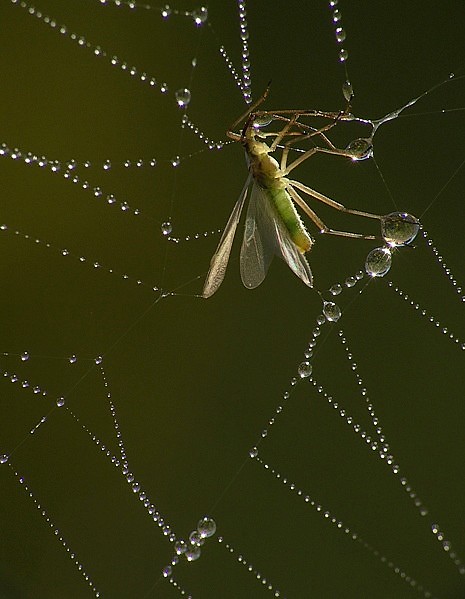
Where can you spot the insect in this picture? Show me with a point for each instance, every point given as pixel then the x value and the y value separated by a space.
pixel 273 225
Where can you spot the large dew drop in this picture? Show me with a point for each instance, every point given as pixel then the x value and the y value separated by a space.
pixel 305 370
pixel 206 527
pixel 378 262
pixel 360 149
pixel 399 228
pixel 183 97
pixel 331 311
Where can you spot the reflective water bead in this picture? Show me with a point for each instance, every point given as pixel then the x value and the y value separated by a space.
pixel 180 547
pixel 176 161
pixel 167 571
pixel 350 281
pixel 206 527
pixel 253 453
pixel 343 55
pixel 304 370
pixel 166 228
pixel 335 289
pixel 340 35
pixel 183 97
pixel 166 11
pixel 200 15
pixel 98 360
pixel 331 311
pixel 399 228
pixel 60 402
pixel 24 356
pixel 72 359
pixel 195 538
pixel 107 165
pixel 192 553
pixel 360 149
pixel 378 262
pixel 347 90
pixel 3 458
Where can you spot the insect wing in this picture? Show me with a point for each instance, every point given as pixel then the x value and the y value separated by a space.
pixel 266 235
pixel 258 245
pixel 219 261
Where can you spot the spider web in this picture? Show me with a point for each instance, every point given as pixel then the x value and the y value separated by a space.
pixel 165 395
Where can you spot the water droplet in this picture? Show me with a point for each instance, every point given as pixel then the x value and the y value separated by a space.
pixel 262 121
pixel 253 453
pixel 340 35
pixel 60 402
pixel 335 289
pixel 72 359
pixel 304 370
pixel 183 97
pixel 166 11
pixel 176 161
pixel 180 547
pixel 195 538
pixel 98 360
pixel 206 527
pixel 200 15
pixel 360 149
pixel 166 228
pixel 343 55
pixel 192 553
pixel 3 458
pixel 399 228
pixel 378 262
pixel 167 571
pixel 107 165
pixel 24 356
pixel 347 90
pixel 331 311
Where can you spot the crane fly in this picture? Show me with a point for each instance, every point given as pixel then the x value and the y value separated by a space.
pixel 273 225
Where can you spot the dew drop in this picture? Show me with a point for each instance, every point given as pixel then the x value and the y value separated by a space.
pixel 343 55
pixel 304 370
pixel 206 527
pixel 3 458
pixel 72 359
pixel 192 553
pixel 399 228
pixel 331 311
pixel 166 11
pixel 176 161
pixel 360 149
pixel 183 97
pixel 200 15
pixel 60 402
pixel 335 289
pixel 98 360
pixel 378 262
pixel 347 90
pixel 167 571
pixel 166 228
pixel 24 356
pixel 180 547
pixel 195 538
pixel 253 453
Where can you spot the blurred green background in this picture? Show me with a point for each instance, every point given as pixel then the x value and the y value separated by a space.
pixel 195 382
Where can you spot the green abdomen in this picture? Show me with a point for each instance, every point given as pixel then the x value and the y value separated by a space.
pixel 285 208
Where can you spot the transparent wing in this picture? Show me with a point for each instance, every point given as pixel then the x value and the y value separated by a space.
pixel 258 245
pixel 266 235
pixel 220 258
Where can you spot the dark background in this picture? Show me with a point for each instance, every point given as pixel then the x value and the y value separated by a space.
pixel 194 382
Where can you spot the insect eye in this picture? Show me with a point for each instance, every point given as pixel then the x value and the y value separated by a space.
pixel 360 149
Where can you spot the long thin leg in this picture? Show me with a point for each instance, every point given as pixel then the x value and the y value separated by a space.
pixel 324 229
pixel 322 198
